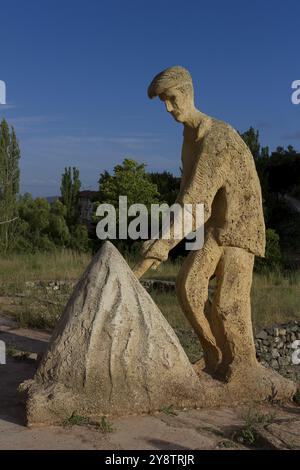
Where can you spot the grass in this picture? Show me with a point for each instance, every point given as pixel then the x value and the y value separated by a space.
pixel 36 314
pixel 227 444
pixel 12 351
pixel 168 410
pixel 248 434
pixel 16 269
pixel 76 420
pixel 275 297
pixel 169 306
pixel 38 307
pixel 104 425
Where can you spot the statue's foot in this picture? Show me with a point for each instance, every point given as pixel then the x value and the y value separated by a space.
pixel 261 382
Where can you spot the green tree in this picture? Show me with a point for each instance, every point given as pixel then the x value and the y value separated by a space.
pixel 34 216
pixel 265 152
pixel 251 138
pixel 168 186
pixel 76 236
pixel 80 238
pixel 273 251
pixel 291 150
pixel 280 150
pixel 9 186
pixel 70 187
pixel 129 179
pixel 42 226
pixel 58 229
pixel 273 255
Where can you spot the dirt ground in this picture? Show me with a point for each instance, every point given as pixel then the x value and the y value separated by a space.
pixel 264 427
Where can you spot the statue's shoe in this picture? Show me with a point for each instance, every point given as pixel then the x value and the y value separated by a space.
pixel 259 382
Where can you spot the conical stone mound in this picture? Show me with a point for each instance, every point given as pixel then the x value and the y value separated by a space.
pixel 112 353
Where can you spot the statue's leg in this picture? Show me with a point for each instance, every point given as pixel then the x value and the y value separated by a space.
pixel 192 291
pixel 232 305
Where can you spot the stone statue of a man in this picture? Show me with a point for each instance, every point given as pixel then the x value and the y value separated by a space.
pixel 219 172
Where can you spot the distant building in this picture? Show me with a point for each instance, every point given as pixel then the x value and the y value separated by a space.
pixel 86 204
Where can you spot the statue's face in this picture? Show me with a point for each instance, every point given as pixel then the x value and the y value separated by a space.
pixel 177 103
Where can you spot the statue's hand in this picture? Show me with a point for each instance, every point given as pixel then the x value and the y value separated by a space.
pixel 144 265
pixel 153 253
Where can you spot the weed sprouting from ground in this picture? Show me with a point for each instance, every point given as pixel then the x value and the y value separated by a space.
pixel 227 444
pixel 104 425
pixel 76 420
pixel 248 434
pixel 168 410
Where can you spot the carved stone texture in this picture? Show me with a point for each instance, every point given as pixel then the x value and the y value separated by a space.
pixel 112 353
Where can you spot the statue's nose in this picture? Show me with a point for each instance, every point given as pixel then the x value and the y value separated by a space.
pixel 168 106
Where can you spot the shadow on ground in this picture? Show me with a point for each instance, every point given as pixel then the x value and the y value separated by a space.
pixel 12 374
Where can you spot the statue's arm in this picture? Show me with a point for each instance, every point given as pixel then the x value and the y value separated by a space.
pixel 208 176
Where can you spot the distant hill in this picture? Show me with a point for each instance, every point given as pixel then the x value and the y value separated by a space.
pixel 51 198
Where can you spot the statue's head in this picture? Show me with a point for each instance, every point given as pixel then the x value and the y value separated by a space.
pixel 174 86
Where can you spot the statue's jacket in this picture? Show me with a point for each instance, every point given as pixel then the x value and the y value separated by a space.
pixel 220 173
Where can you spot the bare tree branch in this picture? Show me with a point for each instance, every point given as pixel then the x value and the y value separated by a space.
pixel 8 221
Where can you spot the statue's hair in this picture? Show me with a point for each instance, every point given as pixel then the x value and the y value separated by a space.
pixel 172 77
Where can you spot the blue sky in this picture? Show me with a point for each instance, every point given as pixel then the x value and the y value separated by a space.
pixel 77 74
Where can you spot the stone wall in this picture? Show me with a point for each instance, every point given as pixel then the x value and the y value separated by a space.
pixel 274 345
pixel 158 285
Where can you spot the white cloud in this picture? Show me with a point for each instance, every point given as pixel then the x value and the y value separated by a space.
pixel 24 124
